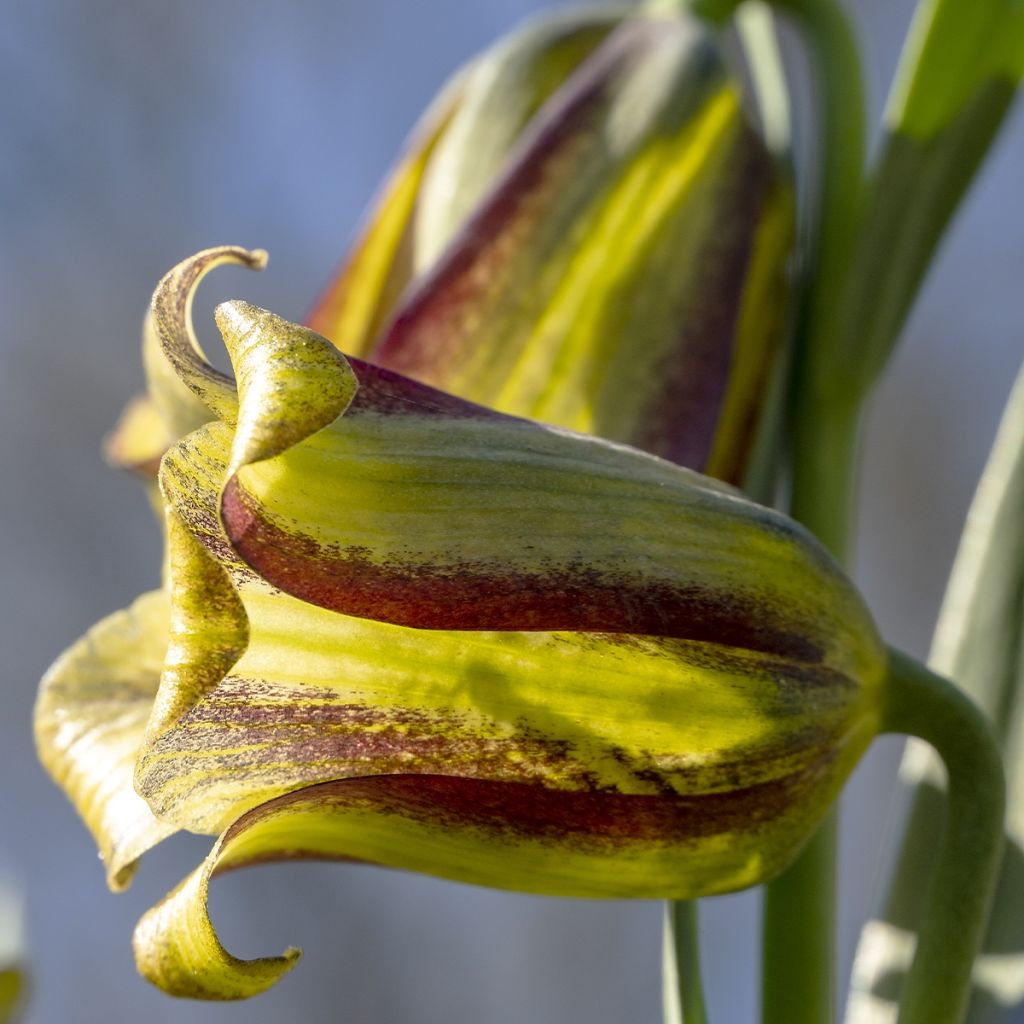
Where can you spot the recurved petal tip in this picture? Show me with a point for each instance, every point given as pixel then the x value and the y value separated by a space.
pixel 177 949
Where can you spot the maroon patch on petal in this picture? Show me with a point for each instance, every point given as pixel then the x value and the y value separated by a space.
pixel 475 597
pixel 383 392
pixel 521 810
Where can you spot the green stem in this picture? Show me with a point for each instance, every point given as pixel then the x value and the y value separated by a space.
pixel 798 930
pixel 798 983
pixel 683 993
pixel 842 134
pixel 923 704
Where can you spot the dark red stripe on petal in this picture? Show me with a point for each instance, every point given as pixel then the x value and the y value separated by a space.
pixel 480 597
pixel 522 810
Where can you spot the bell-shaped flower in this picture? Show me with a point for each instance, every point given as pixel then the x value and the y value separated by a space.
pixel 585 213
pixel 406 629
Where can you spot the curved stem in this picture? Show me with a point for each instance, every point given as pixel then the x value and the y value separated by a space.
pixel 683 992
pixel 960 893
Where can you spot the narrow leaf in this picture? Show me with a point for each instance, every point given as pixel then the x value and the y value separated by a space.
pixel 979 642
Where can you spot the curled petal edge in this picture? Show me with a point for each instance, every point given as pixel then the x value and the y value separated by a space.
pixel 90 719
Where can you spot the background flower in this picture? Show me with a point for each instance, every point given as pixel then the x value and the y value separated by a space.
pixel 109 178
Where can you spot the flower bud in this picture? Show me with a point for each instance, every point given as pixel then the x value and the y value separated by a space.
pixel 634 234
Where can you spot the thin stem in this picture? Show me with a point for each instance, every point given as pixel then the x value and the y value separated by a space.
pixel 798 930
pixel 960 893
pixel 798 985
pixel 683 992
pixel 837 71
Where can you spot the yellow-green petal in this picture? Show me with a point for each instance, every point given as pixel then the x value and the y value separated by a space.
pixel 172 407
pixel 89 722
pixel 456 150
pixel 140 438
pixel 177 949
pixel 169 366
pixel 14 975
pixel 12 993
pixel 319 696
pixel 773 662
pixel 614 278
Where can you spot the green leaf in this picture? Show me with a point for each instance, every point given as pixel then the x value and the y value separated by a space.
pixel 979 642
pixel 954 51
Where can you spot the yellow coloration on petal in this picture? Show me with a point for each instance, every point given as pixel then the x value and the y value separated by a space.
pixel 761 315
pixel 172 408
pixel 177 949
pixel 613 277
pixel 664 201
pixel 89 722
pixel 498 494
pixel 290 381
pixel 140 438
pixel 179 408
pixel 12 993
pixel 14 975
pixel 207 631
pixel 319 696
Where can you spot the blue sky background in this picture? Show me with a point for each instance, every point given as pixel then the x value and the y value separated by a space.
pixel 135 134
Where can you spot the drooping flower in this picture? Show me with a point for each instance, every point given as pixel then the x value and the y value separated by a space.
pixel 586 231
pixel 411 630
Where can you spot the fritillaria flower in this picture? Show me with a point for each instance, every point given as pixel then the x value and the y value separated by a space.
pixel 410 630
pixel 403 628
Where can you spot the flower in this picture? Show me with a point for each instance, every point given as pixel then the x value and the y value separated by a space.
pixel 585 210
pixel 411 630
pixel 504 664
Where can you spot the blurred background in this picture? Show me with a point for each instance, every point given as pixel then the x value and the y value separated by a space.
pixel 135 134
